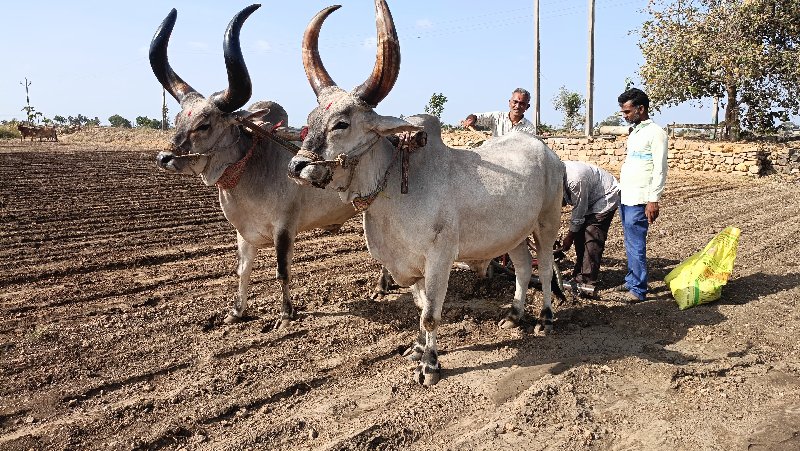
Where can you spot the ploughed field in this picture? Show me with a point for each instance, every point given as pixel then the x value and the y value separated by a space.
pixel 115 279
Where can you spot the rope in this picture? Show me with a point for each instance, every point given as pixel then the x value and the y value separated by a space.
pixel 230 177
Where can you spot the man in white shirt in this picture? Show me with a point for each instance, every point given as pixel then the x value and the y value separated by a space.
pixel 594 195
pixel 642 179
pixel 501 122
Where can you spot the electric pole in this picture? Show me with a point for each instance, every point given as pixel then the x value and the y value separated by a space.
pixel 163 109
pixel 590 84
pixel 537 90
pixel 27 100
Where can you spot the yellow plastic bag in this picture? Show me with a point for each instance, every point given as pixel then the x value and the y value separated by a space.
pixel 699 279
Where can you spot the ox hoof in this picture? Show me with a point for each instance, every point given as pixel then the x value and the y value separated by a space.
pixel 230 318
pixel 413 353
pixel 543 330
pixel 281 323
pixel 426 375
pixel 508 323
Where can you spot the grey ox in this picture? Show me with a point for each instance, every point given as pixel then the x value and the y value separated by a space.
pixel 265 206
pixel 462 205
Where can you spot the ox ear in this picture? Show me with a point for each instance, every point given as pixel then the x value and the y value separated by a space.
pixel 389 125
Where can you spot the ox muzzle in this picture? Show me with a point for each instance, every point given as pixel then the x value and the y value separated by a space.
pixel 175 162
pixel 305 171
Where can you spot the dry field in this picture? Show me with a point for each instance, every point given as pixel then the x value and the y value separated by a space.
pixel 116 277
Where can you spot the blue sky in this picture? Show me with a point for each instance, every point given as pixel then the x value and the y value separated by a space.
pixel 90 57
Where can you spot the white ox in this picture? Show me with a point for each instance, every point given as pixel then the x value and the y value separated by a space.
pixel 462 205
pixel 266 208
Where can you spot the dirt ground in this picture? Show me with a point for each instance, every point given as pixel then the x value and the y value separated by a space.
pixel 116 276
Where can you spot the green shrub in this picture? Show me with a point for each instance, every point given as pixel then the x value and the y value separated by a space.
pixel 546 129
pixel 144 121
pixel 9 130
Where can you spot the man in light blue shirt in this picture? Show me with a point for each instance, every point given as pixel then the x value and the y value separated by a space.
pixel 642 179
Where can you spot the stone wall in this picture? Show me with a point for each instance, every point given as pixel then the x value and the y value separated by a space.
pixel 748 159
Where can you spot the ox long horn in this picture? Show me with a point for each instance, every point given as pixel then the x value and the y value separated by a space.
pixel 159 62
pixel 312 63
pixel 387 61
pixel 239 86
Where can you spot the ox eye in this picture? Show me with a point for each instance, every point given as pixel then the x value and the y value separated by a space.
pixel 203 127
pixel 341 125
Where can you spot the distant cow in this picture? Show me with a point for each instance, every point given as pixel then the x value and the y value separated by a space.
pixel 26 132
pixel 48 133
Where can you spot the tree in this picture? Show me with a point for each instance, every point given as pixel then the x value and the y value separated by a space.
pixel 787 127
pixel 165 111
pixel 745 51
pixel 80 121
pixel 613 120
pixel 435 105
pixel 31 113
pixel 570 103
pixel 60 120
pixel 546 129
pixel 146 122
pixel 119 121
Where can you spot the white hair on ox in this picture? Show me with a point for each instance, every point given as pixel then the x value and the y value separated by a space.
pixel 264 206
pixel 462 205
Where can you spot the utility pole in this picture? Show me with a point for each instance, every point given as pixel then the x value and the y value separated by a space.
pixel 590 84
pixel 163 109
pixel 537 90
pixel 27 97
pixel 27 100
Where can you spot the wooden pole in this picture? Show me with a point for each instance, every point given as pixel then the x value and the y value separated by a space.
pixel 590 83
pixel 537 90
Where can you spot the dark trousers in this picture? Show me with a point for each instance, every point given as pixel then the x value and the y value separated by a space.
pixel 590 242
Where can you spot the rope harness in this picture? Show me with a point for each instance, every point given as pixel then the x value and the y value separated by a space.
pixel 230 178
pixel 404 143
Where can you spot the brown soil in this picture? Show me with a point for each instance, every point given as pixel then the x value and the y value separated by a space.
pixel 115 278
